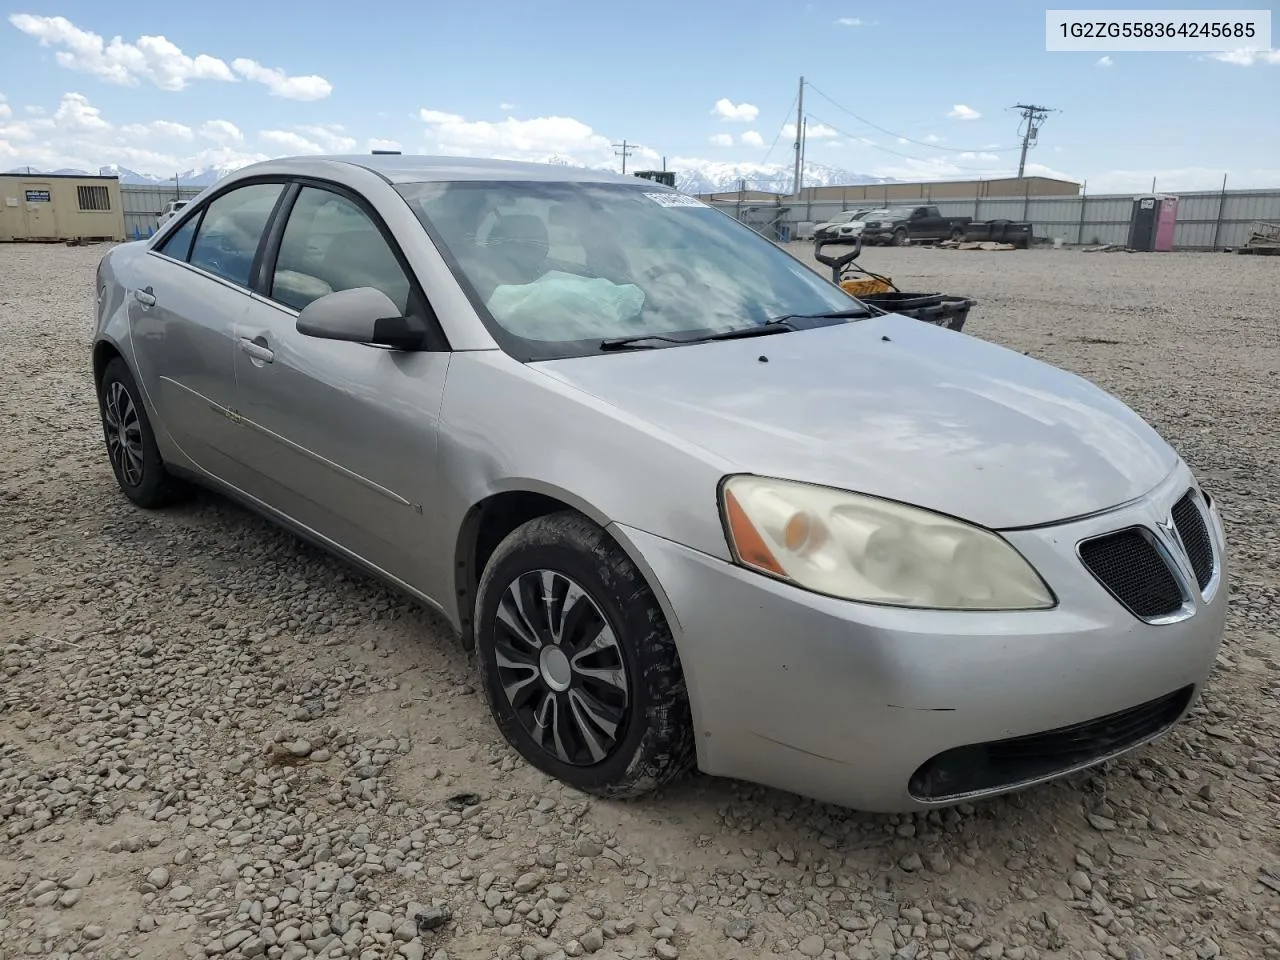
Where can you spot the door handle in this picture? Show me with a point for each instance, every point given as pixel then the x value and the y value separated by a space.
pixel 257 349
pixel 146 296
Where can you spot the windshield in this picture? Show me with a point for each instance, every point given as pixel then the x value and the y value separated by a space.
pixel 556 268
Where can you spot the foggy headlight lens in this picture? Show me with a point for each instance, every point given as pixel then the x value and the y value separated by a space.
pixel 874 551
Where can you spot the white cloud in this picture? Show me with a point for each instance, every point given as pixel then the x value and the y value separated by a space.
pixel 989 157
pixel 75 113
pixel 77 136
pixel 722 140
pixel 1105 61
pixel 963 112
pixel 1247 57
pixel 506 106
pixel 221 131
pixel 812 131
pixel 159 128
pixel 6 111
pixel 539 139
pixel 377 143
pixel 752 139
pixel 331 136
pixel 438 116
pixel 932 138
pixel 728 110
pixel 849 22
pixel 155 59
pixel 1180 178
pixel 310 87
pixel 311 139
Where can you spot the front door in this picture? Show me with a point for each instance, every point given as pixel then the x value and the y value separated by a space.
pixel 188 297
pixel 340 437
pixel 37 197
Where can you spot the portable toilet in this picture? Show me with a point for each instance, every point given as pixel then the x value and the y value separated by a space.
pixel 1151 227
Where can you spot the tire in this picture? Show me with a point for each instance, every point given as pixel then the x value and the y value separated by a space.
pixel 131 443
pixel 900 237
pixel 632 681
pixel 957 233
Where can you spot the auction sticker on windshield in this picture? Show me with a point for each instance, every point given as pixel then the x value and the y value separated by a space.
pixel 674 200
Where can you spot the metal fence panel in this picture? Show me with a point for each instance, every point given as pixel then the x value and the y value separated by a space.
pixel 1207 220
pixel 143 203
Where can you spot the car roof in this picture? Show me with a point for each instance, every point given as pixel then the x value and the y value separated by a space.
pixel 398 168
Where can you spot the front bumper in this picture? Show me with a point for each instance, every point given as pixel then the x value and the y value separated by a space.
pixel 847 702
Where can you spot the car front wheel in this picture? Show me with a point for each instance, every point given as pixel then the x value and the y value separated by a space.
pixel 577 661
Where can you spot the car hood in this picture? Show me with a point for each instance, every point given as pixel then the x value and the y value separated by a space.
pixel 896 408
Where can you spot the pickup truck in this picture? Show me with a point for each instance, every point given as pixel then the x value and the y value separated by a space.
pixel 905 224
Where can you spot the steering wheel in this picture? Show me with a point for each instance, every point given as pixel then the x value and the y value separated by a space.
pixel 662 269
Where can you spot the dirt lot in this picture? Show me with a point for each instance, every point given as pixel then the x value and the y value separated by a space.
pixel 215 741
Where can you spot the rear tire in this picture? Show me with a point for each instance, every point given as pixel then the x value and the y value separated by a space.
pixel 131 443
pixel 957 234
pixel 577 662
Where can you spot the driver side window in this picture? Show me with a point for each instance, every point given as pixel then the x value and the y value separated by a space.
pixel 330 244
pixel 227 241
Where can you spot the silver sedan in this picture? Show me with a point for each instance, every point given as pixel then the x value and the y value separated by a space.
pixel 690 503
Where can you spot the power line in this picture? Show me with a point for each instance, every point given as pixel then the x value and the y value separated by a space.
pixel 624 152
pixel 905 156
pixel 797 181
pixel 922 143
pixel 1032 117
pixel 778 136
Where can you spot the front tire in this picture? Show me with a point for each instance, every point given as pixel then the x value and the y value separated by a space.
pixel 900 237
pixel 131 443
pixel 577 661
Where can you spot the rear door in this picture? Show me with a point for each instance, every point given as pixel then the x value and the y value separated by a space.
pixel 190 292
pixel 340 437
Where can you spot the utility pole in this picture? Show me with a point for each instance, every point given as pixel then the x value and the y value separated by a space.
pixel 623 150
pixel 1032 116
pixel 804 142
pixel 798 180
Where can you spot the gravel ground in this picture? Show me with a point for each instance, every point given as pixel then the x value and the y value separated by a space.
pixel 218 742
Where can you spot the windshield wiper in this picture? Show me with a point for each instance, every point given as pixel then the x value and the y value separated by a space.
pixel 776 325
pixel 852 313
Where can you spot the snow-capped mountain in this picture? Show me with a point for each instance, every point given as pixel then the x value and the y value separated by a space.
pixel 692 176
pixel 708 176
pixel 191 178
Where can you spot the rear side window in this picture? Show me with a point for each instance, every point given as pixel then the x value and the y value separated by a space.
pixel 231 229
pixel 178 244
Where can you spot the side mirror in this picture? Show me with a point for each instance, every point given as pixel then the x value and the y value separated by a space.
pixel 360 315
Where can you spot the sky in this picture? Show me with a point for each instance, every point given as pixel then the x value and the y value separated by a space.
pixel 918 90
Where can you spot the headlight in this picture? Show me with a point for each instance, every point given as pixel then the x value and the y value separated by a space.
pixel 874 551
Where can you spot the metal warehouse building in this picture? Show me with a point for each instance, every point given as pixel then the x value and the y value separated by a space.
pixel 864 193
pixel 60 207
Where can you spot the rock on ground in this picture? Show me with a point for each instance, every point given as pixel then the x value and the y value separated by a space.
pixel 217 741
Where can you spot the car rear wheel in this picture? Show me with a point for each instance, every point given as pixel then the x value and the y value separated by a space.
pixel 957 233
pixel 131 444
pixel 577 662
